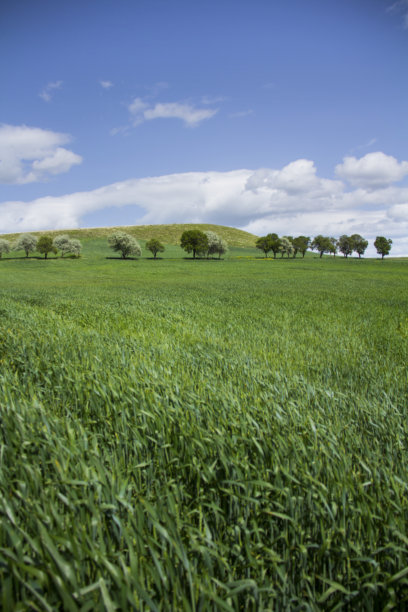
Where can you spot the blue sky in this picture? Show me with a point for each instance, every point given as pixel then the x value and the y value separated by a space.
pixel 286 116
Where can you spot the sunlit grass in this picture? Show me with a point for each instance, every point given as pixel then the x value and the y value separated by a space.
pixel 208 435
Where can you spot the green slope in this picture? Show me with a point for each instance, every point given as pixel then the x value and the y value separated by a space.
pixel 168 234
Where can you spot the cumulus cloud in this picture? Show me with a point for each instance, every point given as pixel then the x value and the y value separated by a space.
pixel 47 93
pixel 374 170
pixel 29 154
pixel 106 84
pixel 291 200
pixel 142 111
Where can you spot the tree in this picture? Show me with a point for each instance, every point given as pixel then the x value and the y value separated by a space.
pixel 322 244
pixel 383 245
pixel 61 243
pixel 154 246
pixel 275 243
pixel 68 245
pixel 45 245
pixel 26 243
pixel 286 246
pixel 65 244
pixel 75 247
pixel 345 245
pixel 216 244
pixel 125 244
pixel 4 246
pixel 194 241
pixel 359 244
pixel 333 246
pixel 301 244
pixel 264 244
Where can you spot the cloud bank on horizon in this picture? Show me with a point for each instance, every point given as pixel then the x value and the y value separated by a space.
pixel 291 200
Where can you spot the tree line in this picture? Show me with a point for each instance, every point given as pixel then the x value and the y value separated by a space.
pixel 347 245
pixel 44 245
pixel 202 244
pixel 192 241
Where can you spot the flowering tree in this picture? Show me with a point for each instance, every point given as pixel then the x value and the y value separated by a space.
pixel 125 244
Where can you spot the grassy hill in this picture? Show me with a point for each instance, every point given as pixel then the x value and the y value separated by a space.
pixel 168 234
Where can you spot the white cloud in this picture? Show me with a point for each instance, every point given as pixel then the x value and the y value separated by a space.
pixel 294 179
pixel 292 200
pixel 106 84
pixel 192 116
pixel 29 154
pixel 374 170
pixel 47 92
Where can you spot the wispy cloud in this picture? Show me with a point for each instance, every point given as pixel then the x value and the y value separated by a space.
pixel 106 84
pixel 156 88
pixel 400 7
pixel 191 116
pixel 48 91
pixel 366 145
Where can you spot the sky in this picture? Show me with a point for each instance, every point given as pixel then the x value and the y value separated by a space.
pixel 286 116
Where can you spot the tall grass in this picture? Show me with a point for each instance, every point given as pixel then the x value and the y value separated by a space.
pixel 203 435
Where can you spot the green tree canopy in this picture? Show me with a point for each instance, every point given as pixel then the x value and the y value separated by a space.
pixel 383 245
pixel 154 246
pixel 275 243
pixel 359 244
pixel 264 244
pixel 301 244
pixel 125 244
pixel 322 244
pixel 194 241
pixel 346 245
pixel 45 245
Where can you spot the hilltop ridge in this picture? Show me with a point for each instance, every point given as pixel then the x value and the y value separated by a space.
pixel 168 233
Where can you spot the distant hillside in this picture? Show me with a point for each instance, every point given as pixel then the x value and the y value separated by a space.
pixel 168 234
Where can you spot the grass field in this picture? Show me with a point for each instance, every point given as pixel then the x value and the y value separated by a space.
pixel 203 435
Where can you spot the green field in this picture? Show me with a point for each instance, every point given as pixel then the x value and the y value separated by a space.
pixel 203 435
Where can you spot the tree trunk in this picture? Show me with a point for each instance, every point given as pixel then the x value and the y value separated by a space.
pixel 45 255
pixel 321 253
